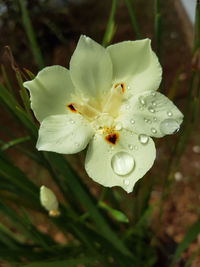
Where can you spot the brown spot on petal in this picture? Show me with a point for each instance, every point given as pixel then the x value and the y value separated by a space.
pixel 112 138
pixel 71 107
pixel 122 86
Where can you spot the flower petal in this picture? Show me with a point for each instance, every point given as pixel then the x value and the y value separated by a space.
pixel 122 164
pixel 150 113
pixel 135 65
pixel 50 91
pixel 91 68
pixel 67 134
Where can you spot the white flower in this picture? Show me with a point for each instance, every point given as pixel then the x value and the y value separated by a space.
pixel 49 200
pixel 108 99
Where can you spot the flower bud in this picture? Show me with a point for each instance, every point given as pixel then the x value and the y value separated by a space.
pixel 49 201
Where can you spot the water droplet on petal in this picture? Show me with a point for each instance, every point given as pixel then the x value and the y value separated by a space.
pixel 126 182
pixel 142 100
pixel 118 126
pixel 77 144
pixel 155 119
pixel 146 120
pixel 130 147
pixel 154 104
pixel 72 121
pixel 127 106
pixel 152 110
pixel 169 126
pixel 153 93
pixel 136 147
pixel 132 121
pixel 169 113
pixel 154 131
pixel 143 138
pixel 122 163
pixel 128 87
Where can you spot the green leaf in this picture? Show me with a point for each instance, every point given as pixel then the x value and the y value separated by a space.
pixel 190 236
pixel 110 28
pixel 66 263
pixel 116 214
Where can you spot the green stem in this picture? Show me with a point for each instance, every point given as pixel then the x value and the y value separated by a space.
pixel 31 35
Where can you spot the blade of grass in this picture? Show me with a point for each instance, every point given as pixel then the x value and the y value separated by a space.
pixel 31 35
pixel 68 263
pixel 110 28
pixel 78 190
pixel 133 18
pixel 157 26
pixel 190 236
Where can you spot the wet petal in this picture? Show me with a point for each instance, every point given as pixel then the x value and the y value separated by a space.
pixel 135 65
pixel 50 91
pixel 67 134
pixel 91 68
pixel 120 164
pixel 150 113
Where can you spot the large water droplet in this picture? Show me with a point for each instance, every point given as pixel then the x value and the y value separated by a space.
pixel 143 138
pixel 169 126
pixel 122 163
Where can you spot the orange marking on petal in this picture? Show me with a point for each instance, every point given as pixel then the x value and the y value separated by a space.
pixel 112 138
pixel 122 86
pixel 71 107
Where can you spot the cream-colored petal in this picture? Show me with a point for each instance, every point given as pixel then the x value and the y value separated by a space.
pixel 122 164
pixel 135 65
pixel 150 113
pixel 51 90
pixel 91 68
pixel 66 134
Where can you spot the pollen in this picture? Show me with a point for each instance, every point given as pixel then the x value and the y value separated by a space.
pixel 71 107
pixel 112 138
pixel 122 86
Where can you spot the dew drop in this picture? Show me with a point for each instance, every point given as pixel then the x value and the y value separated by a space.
pixel 169 113
pixel 136 147
pixel 72 122
pixel 142 101
pixel 122 163
pixel 143 138
pixel 153 130
pixel 118 126
pixel 146 120
pixel 169 126
pixel 154 104
pixel 126 182
pixel 127 106
pixel 128 87
pixel 132 121
pixel 152 110
pixel 130 147
pixel 77 144
pixel 155 119
pixel 153 93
